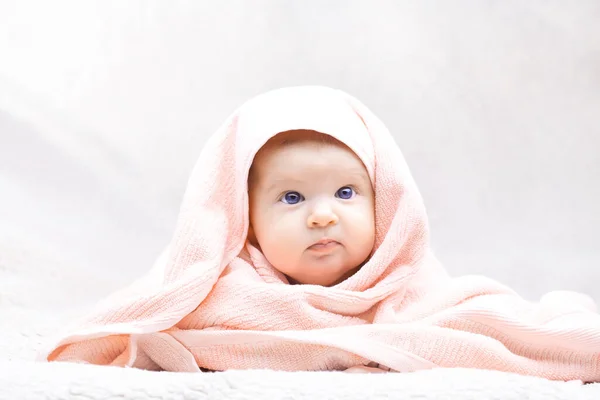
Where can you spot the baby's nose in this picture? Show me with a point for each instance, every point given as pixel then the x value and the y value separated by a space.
pixel 322 216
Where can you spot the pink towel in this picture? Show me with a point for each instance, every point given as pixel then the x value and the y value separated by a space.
pixel 213 301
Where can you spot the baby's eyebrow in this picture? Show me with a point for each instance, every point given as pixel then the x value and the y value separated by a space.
pixel 359 173
pixel 277 183
pixel 288 182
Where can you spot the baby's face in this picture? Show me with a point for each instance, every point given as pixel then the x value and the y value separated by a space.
pixel 312 210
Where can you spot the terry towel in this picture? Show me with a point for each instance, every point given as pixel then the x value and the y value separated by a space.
pixel 213 301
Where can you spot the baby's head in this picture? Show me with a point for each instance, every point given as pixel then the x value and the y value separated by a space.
pixel 312 207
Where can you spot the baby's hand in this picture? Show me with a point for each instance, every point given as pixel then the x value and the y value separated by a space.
pixel 362 369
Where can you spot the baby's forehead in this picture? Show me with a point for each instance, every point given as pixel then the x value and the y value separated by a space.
pixel 293 154
pixel 292 144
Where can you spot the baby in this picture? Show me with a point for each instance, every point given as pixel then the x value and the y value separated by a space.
pixel 312 208
pixel 323 262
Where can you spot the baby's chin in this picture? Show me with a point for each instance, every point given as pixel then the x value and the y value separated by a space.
pixel 323 279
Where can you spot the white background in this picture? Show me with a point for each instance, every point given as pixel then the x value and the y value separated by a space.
pixel 104 107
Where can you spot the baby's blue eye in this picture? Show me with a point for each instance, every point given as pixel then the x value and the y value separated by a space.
pixel 345 193
pixel 292 198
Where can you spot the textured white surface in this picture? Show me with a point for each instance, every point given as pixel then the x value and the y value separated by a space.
pixel 26 381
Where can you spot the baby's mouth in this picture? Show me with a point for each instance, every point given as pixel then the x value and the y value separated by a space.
pixel 324 245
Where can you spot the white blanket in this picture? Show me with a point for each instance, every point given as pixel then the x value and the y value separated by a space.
pixel 21 380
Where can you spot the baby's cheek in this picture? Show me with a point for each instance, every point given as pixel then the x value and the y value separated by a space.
pixel 362 231
pixel 282 251
pixel 281 237
pixel 362 220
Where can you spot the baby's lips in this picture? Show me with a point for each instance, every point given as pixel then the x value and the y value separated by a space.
pixel 324 244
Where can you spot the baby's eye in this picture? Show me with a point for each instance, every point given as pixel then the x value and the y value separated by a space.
pixel 291 198
pixel 345 193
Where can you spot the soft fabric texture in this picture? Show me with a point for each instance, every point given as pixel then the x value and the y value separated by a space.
pixel 213 301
